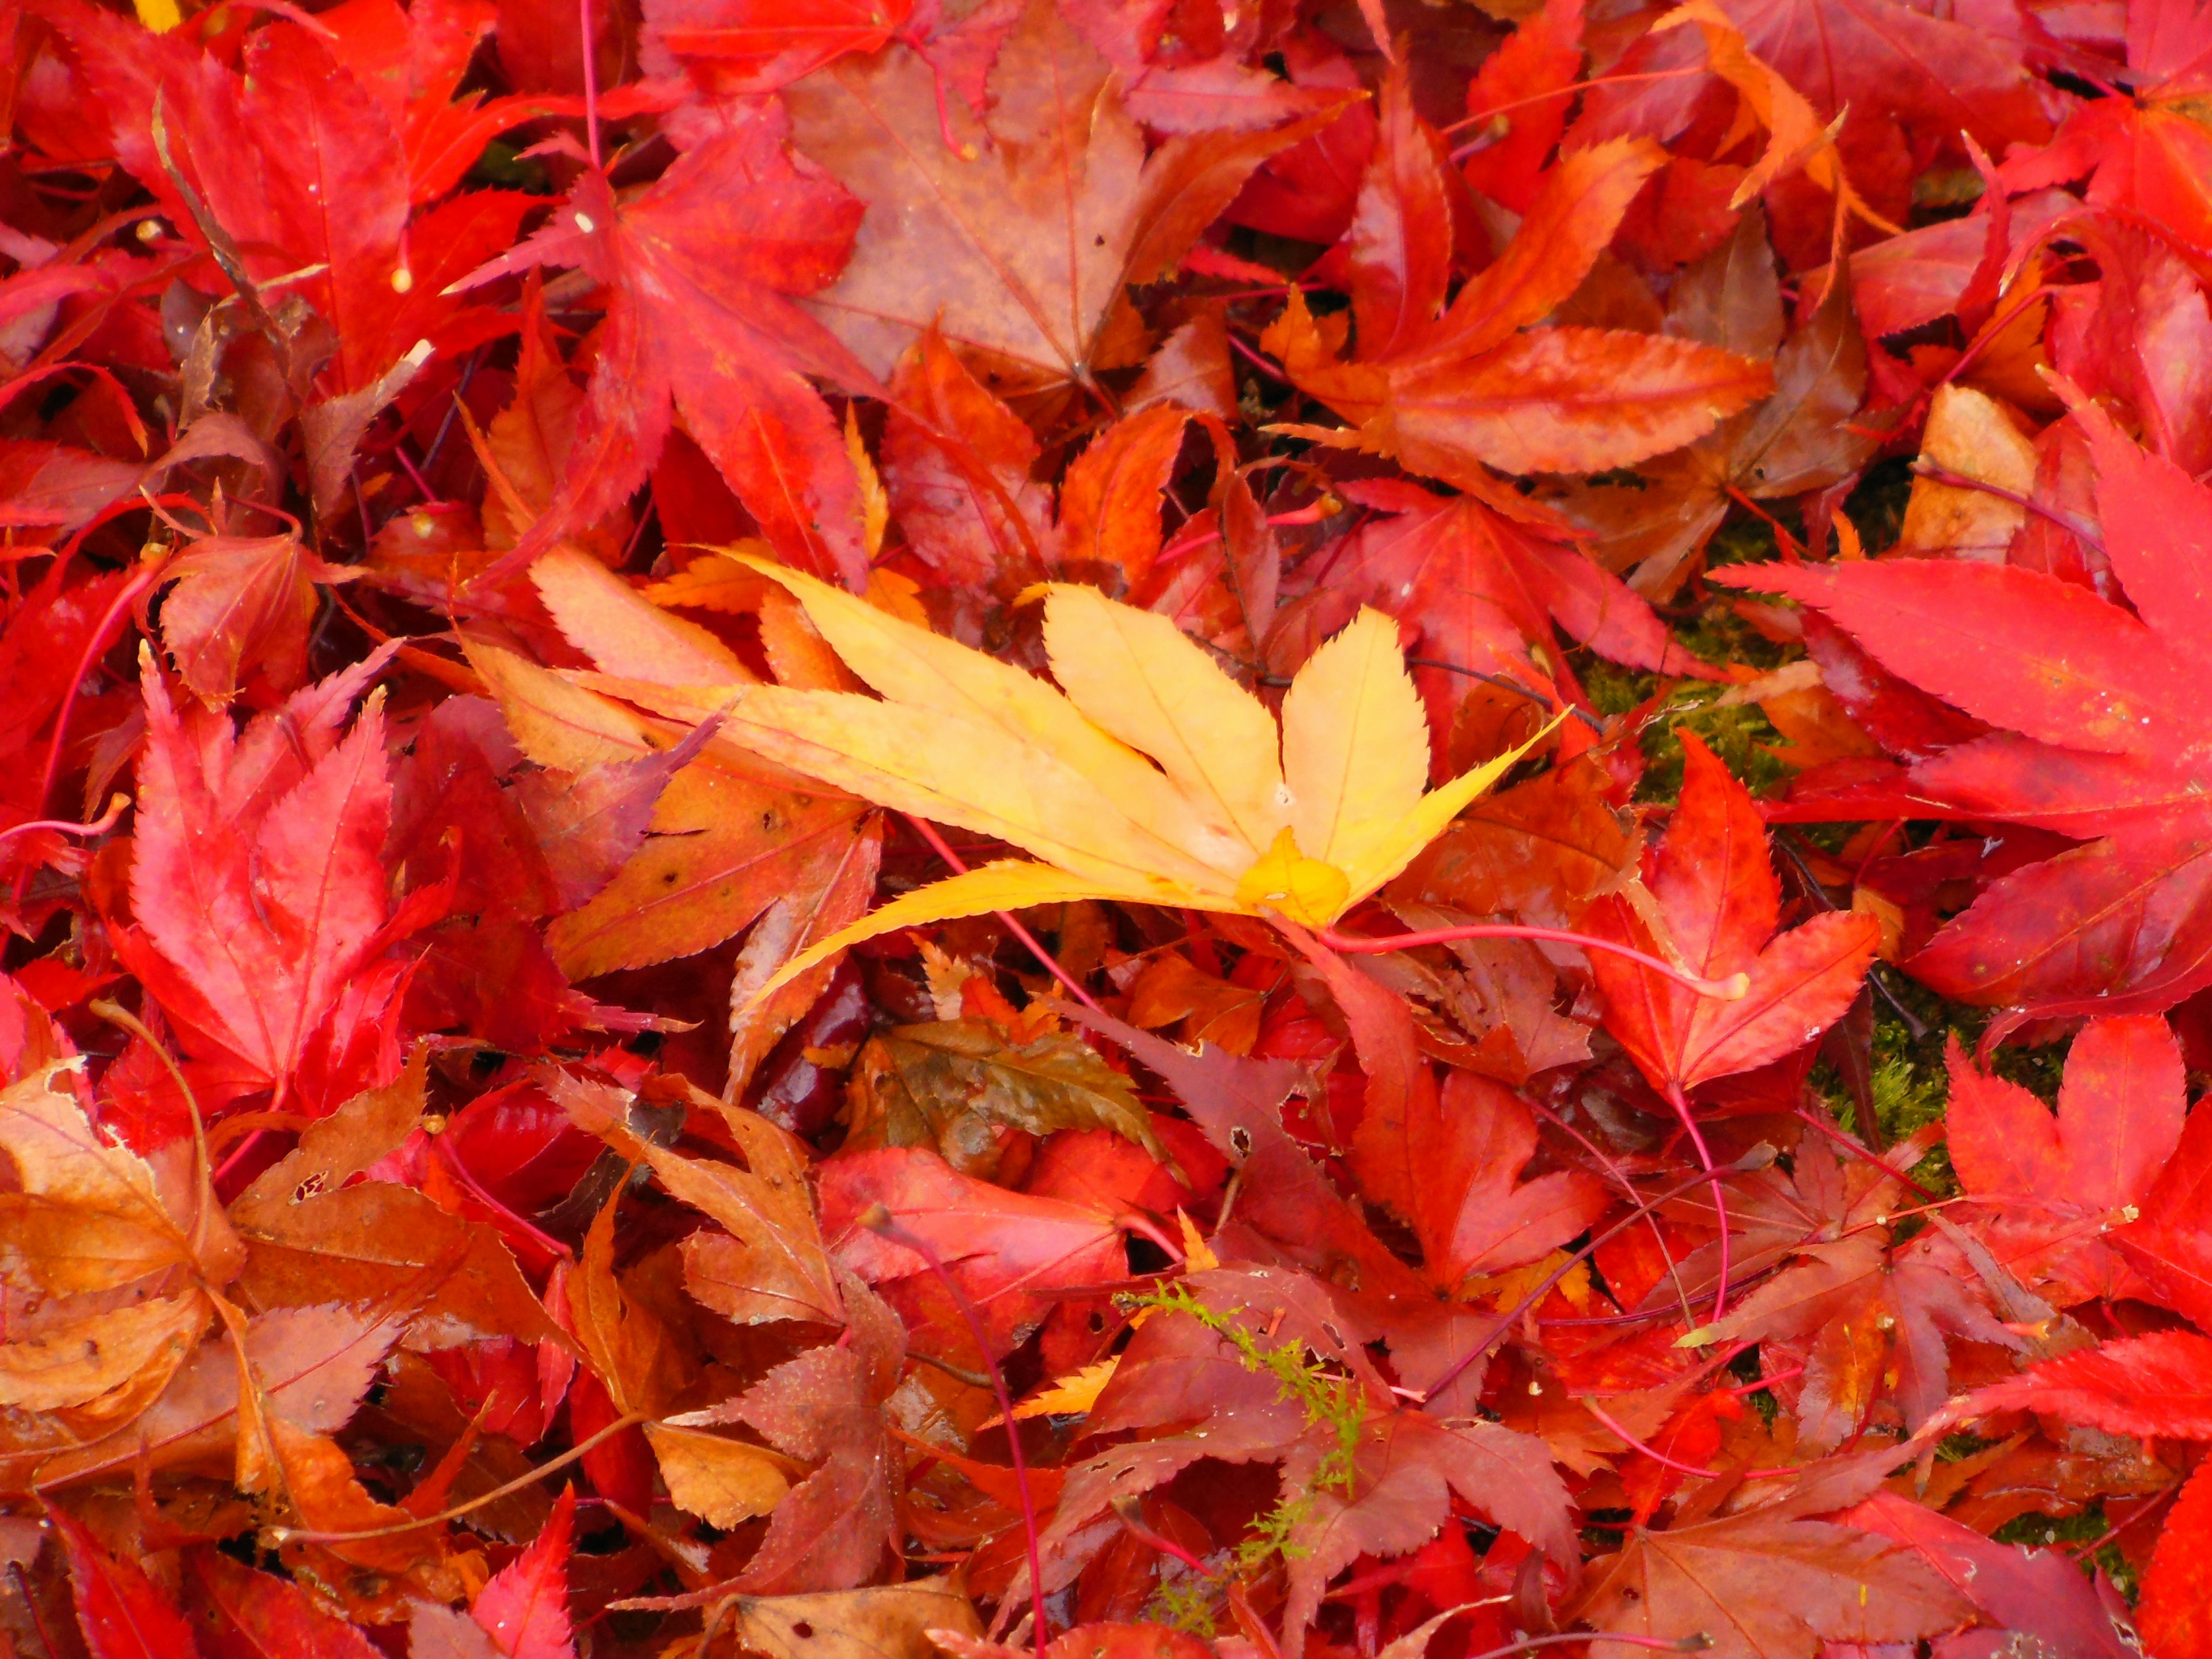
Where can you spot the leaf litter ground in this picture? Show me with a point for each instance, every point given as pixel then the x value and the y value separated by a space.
pixel 1104 826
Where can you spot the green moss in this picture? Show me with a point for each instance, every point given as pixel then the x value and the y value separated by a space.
pixel 2037 1070
pixel 2069 1533
pixel 1611 689
pixel 1326 1399
pixel 1185 1601
pixel 1910 1082
pixel 505 167
pixel 1746 539
pixel 1739 734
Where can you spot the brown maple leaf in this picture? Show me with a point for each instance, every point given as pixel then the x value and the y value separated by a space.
pixel 1769 1584
pixel 1014 236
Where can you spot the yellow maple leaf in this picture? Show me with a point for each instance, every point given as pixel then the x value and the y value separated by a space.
pixel 1231 811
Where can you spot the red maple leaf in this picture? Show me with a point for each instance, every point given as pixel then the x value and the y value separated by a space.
pixel 2145 155
pixel 2056 1184
pixel 301 165
pixel 260 893
pixel 2105 731
pixel 1008 1252
pixel 702 270
pixel 1484 591
pixel 525 1607
pixel 121 1612
pixel 1716 898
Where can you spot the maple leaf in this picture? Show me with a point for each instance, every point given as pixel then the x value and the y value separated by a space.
pixel 770 1263
pixel 761 44
pixel 119 1609
pixel 48 630
pixel 1476 1214
pixel 2103 728
pixel 1009 1251
pixel 1358 1475
pixel 534 844
pixel 1484 591
pixel 300 165
pixel 258 890
pixel 1799 439
pixel 525 1607
pixel 2057 1184
pixel 1101 1640
pixel 704 268
pixel 826 1407
pixel 2169 1246
pixel 2157 1385
pixel 1289 1212
pixel 949 1084
pixel 726 843
pixel 1881 61
pixel 2039 1593
pixel 1713 885
pixel 1873 1322
pixel 2146 155
pixel 1015 236
pixel 412 62
pixel 722 1481
pixel 2175 1613
pixel 238 603
pixel 1215 821
pixel 1545 849
pixel 970 510
pixel 902 1621
pixel 1450 1161
pixel 313 1366
pixel 1543 56
pixel 46 484
pixel 316 1231
pixel 255 1614
pixel 1768 1583
pixel 121 1260
pixel 1476 388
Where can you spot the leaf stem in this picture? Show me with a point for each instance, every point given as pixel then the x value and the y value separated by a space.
pixel 591 80
pixel 98 826
pixel 1936 472
pixel 1757 1158
pixel 629 1420
pixel 943 849
pixel 1680 1102
pixel 1628 1187
pixel 878 1220
pixel 1660 1457
pixel 1733 988
pixel 96 646
pixel 461 1172
pixel 1812 1120
pixel 1574 90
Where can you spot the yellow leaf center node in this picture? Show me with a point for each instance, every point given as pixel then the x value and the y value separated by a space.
pixel 1304 890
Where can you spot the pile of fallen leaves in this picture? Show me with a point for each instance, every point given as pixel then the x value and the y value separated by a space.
pixel 1123 829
